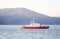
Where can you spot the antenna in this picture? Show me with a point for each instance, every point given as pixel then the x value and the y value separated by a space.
pixel 32 21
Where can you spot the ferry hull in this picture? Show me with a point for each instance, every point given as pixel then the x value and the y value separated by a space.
pixel 35 27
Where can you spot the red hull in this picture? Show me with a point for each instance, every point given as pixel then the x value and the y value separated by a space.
pixel 34 27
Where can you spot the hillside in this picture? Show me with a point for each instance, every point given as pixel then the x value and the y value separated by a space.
pixel 24 16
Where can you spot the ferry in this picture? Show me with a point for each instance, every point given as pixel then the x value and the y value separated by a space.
pixel 33 25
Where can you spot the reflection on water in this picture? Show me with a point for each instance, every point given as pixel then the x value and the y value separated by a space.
pixel 13 32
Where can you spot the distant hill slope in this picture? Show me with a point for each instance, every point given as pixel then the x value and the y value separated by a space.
pixel 24 16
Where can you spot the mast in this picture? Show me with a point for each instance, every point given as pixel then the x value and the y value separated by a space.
pixel 34 23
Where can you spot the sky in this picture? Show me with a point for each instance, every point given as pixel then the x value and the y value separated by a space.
pixel 47 7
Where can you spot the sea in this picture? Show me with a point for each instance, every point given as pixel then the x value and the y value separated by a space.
pixel 14 32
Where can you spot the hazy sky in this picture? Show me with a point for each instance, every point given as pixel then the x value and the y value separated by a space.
pixel 47 7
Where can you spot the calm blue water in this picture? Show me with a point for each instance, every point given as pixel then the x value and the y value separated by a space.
pixel 13 32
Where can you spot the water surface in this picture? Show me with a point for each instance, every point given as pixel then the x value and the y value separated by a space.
pixel 14 32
